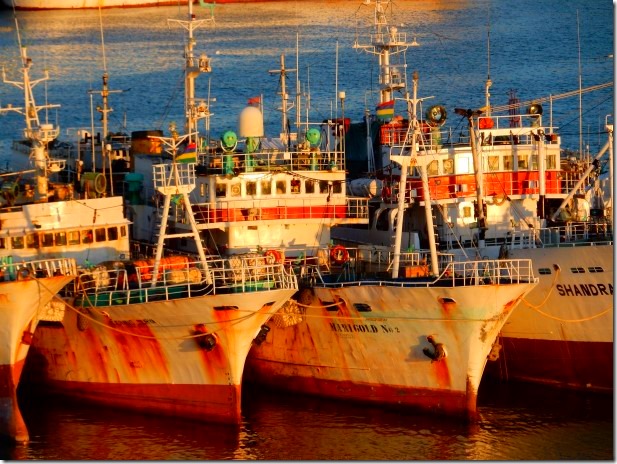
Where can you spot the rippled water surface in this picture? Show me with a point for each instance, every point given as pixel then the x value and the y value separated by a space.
pixel 516 423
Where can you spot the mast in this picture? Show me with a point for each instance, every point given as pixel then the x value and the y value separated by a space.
pixel 194 111
pixel 386 42
pixel 421 161
pixel 38 134
pixel 284 97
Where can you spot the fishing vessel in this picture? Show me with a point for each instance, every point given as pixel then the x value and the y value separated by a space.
pixel 504 187
pixel 48 227
pixel 355 330
pixel 166 334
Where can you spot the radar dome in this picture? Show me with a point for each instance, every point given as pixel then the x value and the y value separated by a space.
pixel 313 136
pixel 251 122
pixel 229 140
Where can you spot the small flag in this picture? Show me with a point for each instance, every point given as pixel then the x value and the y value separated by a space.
pixel 385 110
pixel 189 155
pixel 254 101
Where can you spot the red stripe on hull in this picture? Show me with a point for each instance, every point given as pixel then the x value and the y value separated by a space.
pixel 576 365
pixel 204 403
pixel 441 402
pixel 12 423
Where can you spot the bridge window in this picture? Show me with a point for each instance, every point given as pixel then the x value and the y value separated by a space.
pixel 508 163
pixel 281 187
pixel 323 186
pixel 551 162
pixel 251 188
pixel 493 163
pixel 32 240
pixel 534 162
pixel 47 239
pixel 74 237
pixel 448 166
pixel 432 168
pixel 100 234
pixel 123 232
pixel 112 233
pixel 337 187
pixel 266 187
pixel 2 243
pixel 295 186
pixel 309 186
pixel 523 161
pixel 60 238
pixel 86 236
pixel 221 189
pixel 17 243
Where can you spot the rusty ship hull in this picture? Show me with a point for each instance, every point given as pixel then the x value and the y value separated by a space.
pixel 368 343
pixel 155 357
pixel 22 303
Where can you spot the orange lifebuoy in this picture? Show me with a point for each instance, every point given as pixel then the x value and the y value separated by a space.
pixel 485 123
pixel 339 254
pixel 273 256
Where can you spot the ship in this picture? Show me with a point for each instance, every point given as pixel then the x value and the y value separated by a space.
pixel 407 329
pixel 166 333
pixel 505 187
pixel 91 4
pixel 49 229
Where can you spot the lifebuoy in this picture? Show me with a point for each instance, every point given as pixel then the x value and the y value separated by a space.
pixel 485 123
pixel 273 256
pixel 339 254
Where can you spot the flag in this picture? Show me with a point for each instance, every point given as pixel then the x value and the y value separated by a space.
pixel 254 101
pixel 385 110
pixel 189 155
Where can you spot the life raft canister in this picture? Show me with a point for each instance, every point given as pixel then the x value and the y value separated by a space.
pixel 485 123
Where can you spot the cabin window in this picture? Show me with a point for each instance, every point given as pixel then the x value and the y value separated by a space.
pixel 551 162
pixel 295 186
pixel 32 241
pixel 47 239
pixel 266 187
pixel 60 238
pixel 221 189
pixel 309 186
pixel 523 162
pixel 544 271
pixel 86 236
pixel 432 168
pixel 202 189
pixel 123 231
pixel 595 269
pixel 448 166
pixel 17 242
pixel 508 163
pixel 112 233
pixel 467 211
pixel 493 163
pixel 337 187
pixel 74 238
pixel 323 186
pixel 251 188
pixel 577 270
pixel 281 187
pixel 100 235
